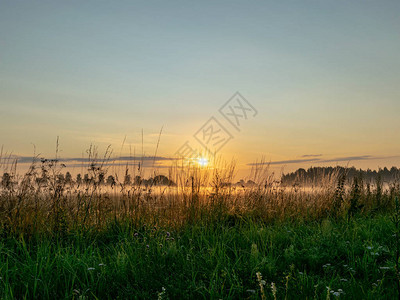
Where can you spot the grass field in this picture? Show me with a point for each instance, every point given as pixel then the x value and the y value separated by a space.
pixel 199 239
pixel 215 260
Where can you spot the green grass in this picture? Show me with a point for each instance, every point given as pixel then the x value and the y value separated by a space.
pixel 214 260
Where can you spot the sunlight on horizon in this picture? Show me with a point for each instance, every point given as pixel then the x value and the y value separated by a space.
pixel 203 162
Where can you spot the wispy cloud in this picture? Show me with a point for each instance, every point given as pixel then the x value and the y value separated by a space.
pixel 30 159
pixel 325 160
pixel 282 162
pixel 312 155
pixel 352 158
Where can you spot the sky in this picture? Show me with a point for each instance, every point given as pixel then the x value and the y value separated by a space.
pixel 322 77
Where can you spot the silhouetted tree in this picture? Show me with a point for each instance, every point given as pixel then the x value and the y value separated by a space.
pixel 111 180
pixel 87 179
pixel 68 178
pixel 127 178
pixel 315 174
pixel 138 180
pixel 60 179
pixel 6 180
pixel 79 179
pixel 161 180
pixel 101 178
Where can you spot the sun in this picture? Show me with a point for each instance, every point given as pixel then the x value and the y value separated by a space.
pixel 202 161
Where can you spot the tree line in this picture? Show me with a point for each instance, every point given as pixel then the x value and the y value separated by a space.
pixel 8 179
pixel 315 175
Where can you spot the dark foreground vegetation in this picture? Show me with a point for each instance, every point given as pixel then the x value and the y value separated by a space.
pixel 198 239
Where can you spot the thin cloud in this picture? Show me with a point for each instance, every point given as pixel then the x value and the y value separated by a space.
pixel 352 158
pixel 282 162
pixel 311 155
pixel 30 159
pixel 329 160
pixel 146 164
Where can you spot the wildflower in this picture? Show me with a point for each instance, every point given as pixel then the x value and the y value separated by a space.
pixel 147 246
pixel 168 234
pixel 259 276
pixel 343 279
pixel 328 292
pixel 101 265
pixel 162 293
pixel 261 283
pixel 91 269
pixel 335 293
pixel 384 268
pixel 136 234
pixel 369 248
pixel 273 289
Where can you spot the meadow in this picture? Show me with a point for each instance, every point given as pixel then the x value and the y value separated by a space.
pixel 200 236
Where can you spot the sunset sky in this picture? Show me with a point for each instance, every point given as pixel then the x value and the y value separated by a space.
pixel 323 77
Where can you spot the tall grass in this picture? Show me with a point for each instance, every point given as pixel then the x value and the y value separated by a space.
pixel 42 200
pixel 199 235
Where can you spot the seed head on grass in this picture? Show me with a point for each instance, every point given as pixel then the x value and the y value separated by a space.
pixel 163 294
pixel 261 283
pixel 273 290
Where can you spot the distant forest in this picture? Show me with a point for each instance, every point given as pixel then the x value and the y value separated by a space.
pixel 312 176
pixel 315 175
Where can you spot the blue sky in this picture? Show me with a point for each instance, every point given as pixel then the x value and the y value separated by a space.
pixel 323 75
